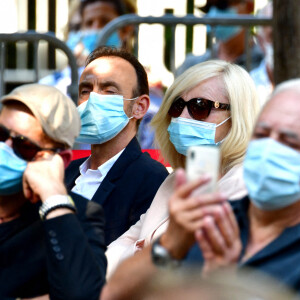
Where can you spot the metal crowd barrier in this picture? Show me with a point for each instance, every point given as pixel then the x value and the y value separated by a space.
pixel 130 19
pixel 35 37
pixel 189 19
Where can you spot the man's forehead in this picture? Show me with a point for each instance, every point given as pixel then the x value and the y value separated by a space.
pixel 112 66
pixel 282 111
pixel 100 65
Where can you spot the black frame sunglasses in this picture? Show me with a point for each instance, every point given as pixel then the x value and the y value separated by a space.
pixel 23 146
pixel 198 108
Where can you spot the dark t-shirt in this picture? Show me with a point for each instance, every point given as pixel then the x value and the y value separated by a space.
pixel 279 259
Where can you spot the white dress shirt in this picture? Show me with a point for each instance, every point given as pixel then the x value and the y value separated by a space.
pixel 88 182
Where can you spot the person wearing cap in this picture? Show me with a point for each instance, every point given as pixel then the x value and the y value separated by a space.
pixel 113 98
pixel 51 242
pixel 230 44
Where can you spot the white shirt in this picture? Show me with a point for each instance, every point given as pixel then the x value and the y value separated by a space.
pixel 88 182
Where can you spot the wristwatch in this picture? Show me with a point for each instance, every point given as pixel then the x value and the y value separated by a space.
pixel 161 256
pixel 54 202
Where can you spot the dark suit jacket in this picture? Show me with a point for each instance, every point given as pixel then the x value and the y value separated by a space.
pixel 127 190
pixel 63 256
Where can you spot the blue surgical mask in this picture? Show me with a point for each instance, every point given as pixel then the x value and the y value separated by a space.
pixel 272 174
pixel 224 33
pixel 11 170
pixel 185 133
pixel 102 118
pixel 90 39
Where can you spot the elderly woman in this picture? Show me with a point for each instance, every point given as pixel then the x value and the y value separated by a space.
pixel 212 103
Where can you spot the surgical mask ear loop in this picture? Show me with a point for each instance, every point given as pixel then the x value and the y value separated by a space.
pixel 220 142
pixel 132 99
pixel 223 122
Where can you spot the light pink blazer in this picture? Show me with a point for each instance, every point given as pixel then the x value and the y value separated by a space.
pixel 155 221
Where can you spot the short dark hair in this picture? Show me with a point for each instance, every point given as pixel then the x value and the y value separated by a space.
pixel 142 79
pixel 118 4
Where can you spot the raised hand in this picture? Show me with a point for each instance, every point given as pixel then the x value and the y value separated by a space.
pixel 219 239
pixel 186 214
pixel 44 177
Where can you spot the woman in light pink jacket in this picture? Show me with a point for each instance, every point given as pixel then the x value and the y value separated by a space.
pixel 212 103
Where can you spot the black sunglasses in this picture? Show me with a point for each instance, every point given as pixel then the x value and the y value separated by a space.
pixel 198 108
pixel 23 146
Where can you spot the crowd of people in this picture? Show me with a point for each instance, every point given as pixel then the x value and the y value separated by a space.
pixel 117 224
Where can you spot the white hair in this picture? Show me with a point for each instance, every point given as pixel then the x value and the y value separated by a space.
pixel 289 85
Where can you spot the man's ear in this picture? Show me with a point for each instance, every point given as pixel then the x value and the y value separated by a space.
pixel 66 156
pixel 141 106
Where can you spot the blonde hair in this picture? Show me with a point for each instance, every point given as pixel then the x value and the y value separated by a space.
pixel 241 94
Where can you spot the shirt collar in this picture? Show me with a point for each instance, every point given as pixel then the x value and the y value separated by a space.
pixel 104 168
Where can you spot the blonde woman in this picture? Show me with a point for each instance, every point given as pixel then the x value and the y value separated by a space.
pixel 212 103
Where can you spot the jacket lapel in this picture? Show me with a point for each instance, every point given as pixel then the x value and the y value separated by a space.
pixel 131 153
pixel 72 172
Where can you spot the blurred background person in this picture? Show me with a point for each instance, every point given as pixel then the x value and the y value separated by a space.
pixel 189 284
pixel 146 134
pixel 212 103
pixel 263 75
pixel 87 18
pixel 230 40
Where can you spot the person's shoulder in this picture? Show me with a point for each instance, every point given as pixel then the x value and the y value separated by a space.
pixel 192 60
pixel 141 158
pixel 152 165
pixel 74 165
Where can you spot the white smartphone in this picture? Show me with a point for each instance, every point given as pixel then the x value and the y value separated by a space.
pixel 203 160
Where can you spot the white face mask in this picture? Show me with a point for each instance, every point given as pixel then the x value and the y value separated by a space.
pixel 269 56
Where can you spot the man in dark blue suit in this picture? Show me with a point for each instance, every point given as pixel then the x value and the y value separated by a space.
pixel 113 98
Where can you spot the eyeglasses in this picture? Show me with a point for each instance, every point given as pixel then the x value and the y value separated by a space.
pixel 198 108
pixel 23 146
